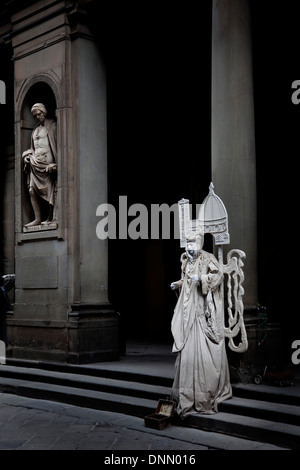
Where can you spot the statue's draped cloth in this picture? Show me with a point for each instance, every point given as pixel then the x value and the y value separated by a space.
pixel 43 154
pixel 201 369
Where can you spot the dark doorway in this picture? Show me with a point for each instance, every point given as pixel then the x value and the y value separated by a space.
pixel 275 67
pixel 159 105
pixel 7 156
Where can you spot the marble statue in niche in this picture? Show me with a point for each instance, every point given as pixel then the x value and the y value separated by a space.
pixel 41 167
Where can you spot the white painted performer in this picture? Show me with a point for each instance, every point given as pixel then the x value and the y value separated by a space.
pixel 202 378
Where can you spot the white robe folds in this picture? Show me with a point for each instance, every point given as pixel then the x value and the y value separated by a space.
pixel 201 369
pixel 43 153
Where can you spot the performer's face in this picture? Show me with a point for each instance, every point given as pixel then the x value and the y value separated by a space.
pixel 40 116
pixel 192 248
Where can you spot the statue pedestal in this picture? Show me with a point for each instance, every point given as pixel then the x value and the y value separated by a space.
pixel 38 228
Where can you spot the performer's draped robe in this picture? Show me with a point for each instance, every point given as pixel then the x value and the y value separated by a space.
pixel 201 368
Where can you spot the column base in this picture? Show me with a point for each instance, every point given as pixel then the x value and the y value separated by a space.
pixel 264 350
pixel 90 334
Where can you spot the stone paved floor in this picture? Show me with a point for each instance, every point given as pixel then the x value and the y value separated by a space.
pixel 30 424
pixel 24 426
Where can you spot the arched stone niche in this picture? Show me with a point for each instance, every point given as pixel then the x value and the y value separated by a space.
pixel 40 92
pixel 37 90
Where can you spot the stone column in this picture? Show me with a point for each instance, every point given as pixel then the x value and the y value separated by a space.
pixel 233 139
pixel 92 321
pixel 234 167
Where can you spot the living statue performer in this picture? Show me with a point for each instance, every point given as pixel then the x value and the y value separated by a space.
pixel 202 378
pixel 40 164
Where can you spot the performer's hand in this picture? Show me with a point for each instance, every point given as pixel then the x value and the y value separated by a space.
pixel 174 285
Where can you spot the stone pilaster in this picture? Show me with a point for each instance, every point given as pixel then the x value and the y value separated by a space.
pixel 234 168
pixel 61 308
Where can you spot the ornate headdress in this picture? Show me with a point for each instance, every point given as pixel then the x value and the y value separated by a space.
pixel 212 219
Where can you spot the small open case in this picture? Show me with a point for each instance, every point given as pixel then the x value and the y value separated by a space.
pixel 162 416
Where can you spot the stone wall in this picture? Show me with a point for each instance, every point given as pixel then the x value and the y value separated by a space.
pixel 61 308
